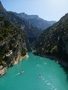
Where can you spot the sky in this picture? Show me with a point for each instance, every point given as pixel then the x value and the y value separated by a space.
pixel 46 9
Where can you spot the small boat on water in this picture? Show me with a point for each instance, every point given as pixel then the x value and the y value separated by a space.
pixel 22 71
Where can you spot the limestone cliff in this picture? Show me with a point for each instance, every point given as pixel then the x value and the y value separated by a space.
pixel 12 44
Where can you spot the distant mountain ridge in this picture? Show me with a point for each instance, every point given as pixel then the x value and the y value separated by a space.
pixel 31 33
pixel 36 21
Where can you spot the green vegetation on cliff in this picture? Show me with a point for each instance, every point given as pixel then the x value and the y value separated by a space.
pixel 54 40
pixel 11 42
pixel 15 36
pixel 31 33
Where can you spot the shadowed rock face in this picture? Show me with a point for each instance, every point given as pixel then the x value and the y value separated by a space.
pixel 54 41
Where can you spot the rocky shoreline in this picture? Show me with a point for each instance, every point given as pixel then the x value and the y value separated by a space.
pixel 19 59
pixel 3 70
pixel 63 64
pixel 59 61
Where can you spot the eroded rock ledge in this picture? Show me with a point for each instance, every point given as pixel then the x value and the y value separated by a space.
pixel 3 70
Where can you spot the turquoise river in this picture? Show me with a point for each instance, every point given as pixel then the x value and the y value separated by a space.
pixel 39 74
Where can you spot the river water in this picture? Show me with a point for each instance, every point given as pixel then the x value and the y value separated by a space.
pixel 39 74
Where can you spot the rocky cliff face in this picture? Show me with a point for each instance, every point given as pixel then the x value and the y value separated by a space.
pixel 31 33
pixel 2 8
pixel 54 41
pixel 12 44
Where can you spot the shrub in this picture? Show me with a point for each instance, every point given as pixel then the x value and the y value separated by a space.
pixel 23 51
pixel 3 63
pixel 54 50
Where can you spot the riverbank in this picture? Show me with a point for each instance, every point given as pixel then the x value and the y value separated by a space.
pixel 26 56
pixel 20 58
pixel 3 70
pixel 59 61
pixel 52 77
